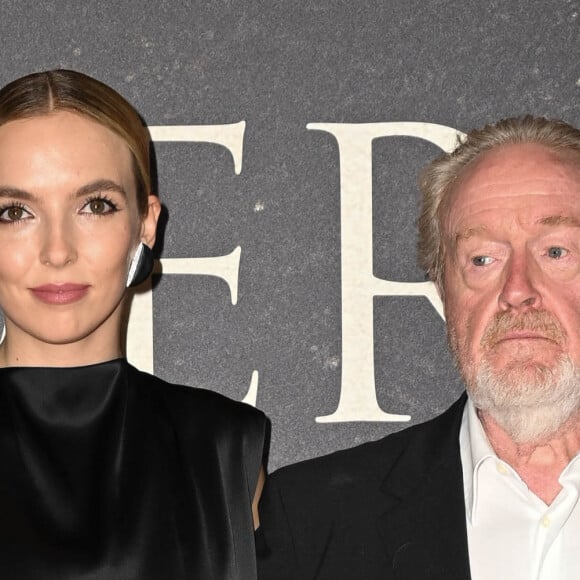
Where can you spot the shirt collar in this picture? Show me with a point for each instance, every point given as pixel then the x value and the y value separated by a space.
pixel 475 449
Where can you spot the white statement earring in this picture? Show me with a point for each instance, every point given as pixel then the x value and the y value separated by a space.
pixel 141 266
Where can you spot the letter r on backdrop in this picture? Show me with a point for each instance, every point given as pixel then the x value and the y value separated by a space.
pixel 358 398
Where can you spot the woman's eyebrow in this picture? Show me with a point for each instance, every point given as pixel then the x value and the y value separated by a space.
pixel 100 185
pixel 8 192
pixel 15 193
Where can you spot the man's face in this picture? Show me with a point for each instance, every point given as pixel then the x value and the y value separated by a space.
pixel 512 271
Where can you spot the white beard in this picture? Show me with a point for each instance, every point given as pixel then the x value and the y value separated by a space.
pixel 530 404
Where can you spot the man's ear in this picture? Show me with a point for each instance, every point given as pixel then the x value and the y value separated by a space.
pixel 149 223
pixel 439 286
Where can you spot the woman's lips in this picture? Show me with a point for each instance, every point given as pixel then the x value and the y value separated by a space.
pixel 60 293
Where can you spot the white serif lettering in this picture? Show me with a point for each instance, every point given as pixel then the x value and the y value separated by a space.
pixel 358 398
pixel 140 328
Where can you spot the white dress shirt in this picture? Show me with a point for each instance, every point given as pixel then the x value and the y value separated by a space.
pixel 512 534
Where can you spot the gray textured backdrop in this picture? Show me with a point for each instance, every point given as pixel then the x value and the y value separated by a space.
pixel 278 66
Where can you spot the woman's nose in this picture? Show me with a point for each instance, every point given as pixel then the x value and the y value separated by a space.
pixel 58 245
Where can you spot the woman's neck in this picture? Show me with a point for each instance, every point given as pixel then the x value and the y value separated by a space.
pixel 32 353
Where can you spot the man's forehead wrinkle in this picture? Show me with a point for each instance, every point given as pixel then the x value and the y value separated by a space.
pixel 550 221
pixel 506 186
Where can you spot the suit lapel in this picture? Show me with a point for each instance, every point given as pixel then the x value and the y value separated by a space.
pixel 423 525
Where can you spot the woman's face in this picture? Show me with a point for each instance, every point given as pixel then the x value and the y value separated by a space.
pixel 69 225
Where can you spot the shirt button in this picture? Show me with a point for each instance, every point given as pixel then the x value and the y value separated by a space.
pixel 502 468
pixel 546 522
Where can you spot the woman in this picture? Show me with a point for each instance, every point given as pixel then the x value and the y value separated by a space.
pixel 107 472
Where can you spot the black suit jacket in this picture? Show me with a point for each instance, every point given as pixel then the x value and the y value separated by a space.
pixel 389 509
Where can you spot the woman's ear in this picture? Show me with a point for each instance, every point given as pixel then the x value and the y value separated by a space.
pixel 149 223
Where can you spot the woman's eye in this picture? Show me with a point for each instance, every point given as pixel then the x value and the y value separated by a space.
pixel 481 260
pixel 99 206
pixel 557 252
pixel 14 213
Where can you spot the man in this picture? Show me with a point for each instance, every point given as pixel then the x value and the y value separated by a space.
pixel 489 489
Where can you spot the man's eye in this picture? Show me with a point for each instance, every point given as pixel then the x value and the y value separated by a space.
pixel 557 252
pixel 481 260
pixel 14 213
pixel 99 206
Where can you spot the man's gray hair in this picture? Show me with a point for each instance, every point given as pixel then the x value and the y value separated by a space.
pixel 437 179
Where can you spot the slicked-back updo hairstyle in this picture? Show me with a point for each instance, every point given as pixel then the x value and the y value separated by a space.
pixel 43 93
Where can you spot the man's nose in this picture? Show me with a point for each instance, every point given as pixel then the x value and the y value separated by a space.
pixel 519 291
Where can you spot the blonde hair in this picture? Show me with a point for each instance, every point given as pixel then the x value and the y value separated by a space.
pixel 437 179
pixel 43 93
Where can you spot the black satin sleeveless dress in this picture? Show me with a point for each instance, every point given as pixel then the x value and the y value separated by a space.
pixel 110 473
